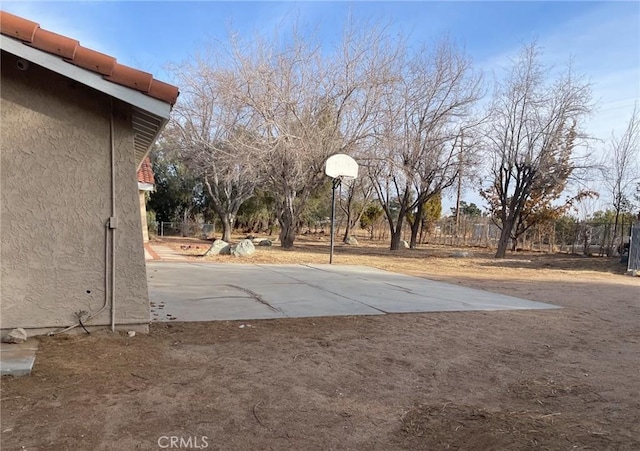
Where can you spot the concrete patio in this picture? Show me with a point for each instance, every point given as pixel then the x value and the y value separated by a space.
pixel 18 359
pixel 214 291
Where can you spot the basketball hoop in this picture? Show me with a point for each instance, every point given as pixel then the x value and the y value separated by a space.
pixel 339 167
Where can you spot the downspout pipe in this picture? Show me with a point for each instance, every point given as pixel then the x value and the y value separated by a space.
pixel 106 285
pixel 109 238
pixel 112 220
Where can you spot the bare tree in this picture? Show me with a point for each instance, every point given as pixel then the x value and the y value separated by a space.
pixel 354 202
pixel 622 169
pixel 207 131
pixel 530 139
pixel 417 151
pixel 306 106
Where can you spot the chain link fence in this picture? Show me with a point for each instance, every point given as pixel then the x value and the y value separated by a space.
pixel 633 250
pixel 471 231
pixel 601 239
pixel 574 237
pixel 577 237
pixel 183 229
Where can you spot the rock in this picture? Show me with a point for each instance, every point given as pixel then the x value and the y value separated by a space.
pixel 351 240
pixel 131 333
pixel 404 244
pixel 243 248
pixel 18 335
pixel 267 243
pixel 218 247
pixel 460 254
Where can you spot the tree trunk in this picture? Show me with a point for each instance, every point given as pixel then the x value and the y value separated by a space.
pixel 347 231
pixel 612 246
pixel 505 236
pixel 396 234
pixel 396 237
pixel 226 228
pixel 348 213
pixel 415 226
pixel 287 221
pixel 185 225
pixel 287 232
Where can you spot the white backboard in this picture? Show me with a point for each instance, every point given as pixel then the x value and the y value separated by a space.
pixel 341 165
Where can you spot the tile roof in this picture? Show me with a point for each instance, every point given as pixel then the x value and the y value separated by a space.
pixel 71 51
pixel 145 173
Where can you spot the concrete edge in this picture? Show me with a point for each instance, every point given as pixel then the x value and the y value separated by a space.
pixel 142 328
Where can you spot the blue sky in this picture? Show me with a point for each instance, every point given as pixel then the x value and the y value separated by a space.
pixel 602 37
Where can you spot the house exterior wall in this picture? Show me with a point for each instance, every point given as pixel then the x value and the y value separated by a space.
pixel 143 215
pixel 55 194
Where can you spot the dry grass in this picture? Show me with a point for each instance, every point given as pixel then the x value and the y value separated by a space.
pixel 512 380
pixel 428 260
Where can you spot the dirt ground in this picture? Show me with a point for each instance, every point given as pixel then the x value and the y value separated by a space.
pixel 563 379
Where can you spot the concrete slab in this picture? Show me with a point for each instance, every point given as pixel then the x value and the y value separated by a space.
pixel 18 359
pixel 164 253
pixel 214 291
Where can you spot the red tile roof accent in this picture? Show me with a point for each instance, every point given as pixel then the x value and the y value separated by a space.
pixel 94 61
pixel 71 51
pixel 130 77
pixel 145 173
pixel 54 43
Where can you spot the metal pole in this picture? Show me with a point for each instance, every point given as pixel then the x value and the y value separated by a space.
pixel 336 183
pixel 459 185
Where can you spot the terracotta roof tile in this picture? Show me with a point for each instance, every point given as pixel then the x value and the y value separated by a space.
pixel 17 27
pixel 130 77
pixel 145 173
pixel 30 33
pixel 162 90
pixel 94 61
pixel 55 43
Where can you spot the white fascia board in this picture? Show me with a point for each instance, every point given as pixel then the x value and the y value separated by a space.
pixel 86 77
pixel 145 186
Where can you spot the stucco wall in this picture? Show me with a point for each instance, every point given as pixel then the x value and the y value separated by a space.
pixel 142 195
pixel 56 199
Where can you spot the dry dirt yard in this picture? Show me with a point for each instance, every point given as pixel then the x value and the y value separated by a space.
pixel 564 379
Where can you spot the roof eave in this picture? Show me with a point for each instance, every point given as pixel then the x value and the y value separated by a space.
pixel 153 113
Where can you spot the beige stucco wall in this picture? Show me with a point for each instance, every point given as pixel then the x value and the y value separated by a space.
pixel 55 200
pixel 142 195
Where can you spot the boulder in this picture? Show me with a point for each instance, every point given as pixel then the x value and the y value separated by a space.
pixel 351 240
pixel 404 244
pixel 18 335
pixel 267 243
pixel 218 247
pixel 460 254
pixel 243 249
